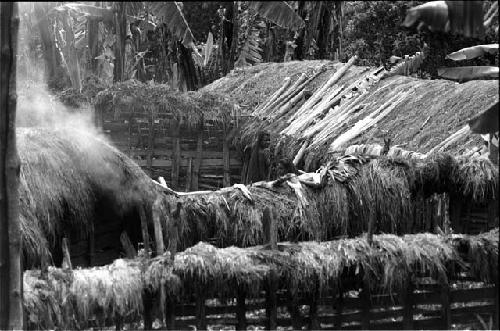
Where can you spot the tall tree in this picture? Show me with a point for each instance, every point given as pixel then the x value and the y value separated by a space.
pixel 11 312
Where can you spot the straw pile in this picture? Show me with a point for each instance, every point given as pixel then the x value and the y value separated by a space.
pixel 135 98
pixel 116 289
pixel 391 190
pixel 64 174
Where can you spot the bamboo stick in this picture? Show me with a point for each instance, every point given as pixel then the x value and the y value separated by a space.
pixel 273 97
pixel 289 92
pixel 284 108
pixel 300 153
pixel 334 95
pixel 319 93
pixel 450 140
pixel 367 122
pixel 309 117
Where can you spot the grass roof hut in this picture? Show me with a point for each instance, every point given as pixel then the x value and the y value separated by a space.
pixel 319 110
pixel 183 137
pixel 75 185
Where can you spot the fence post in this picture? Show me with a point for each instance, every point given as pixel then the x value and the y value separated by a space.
pixel 201 323
pixel 407 302
pixel 294 311
pixel 241 309
pixel 495 315
pixel 170 301
pixel 313 308
pixel 445 307
pixel 338 306
pixel 270 238
pixel 365 302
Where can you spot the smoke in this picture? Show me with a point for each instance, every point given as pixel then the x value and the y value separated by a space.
pixel 36 105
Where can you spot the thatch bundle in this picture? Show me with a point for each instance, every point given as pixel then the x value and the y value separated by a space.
pixel 135 98
pixel 385 265
pixel 65 174
pixel 391 190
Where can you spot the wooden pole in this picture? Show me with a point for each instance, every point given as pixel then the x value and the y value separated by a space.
pixel 189 175
pixel 130 252
pixel 201 322
pixel 294 311
pixel 365 305
pixel 445 307
pixel 160 246
pixel 338 306
pixel 270 238
pixel 198 159
pixel 11 309
pixel 144 229
pixel 150 143
pixel 91 245
pixel 241 309
pixel 170 301
pixel 66 262
pixel 176 156
pixel 407 302
pixel 226 181
pixel 313 309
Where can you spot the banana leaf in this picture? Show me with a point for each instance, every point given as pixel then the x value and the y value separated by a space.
pixel 458 17
pixel 175 21
pixel 463 74
pixel 433 14
pixel 473 52
pixel 278 12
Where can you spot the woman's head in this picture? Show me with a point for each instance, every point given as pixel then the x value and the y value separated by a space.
pixel 264 139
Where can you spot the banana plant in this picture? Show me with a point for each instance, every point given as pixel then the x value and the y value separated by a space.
pixel 459 17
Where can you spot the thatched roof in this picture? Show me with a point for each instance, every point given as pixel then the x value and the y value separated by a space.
pixel 393 189
pixel 70 298
pixel 130 98
pixel 416 114
pixel 64 173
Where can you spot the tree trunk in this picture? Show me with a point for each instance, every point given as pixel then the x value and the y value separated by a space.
pixel 11 310
pixel 234 38
pixel 188 67
pixel 92 38
pixel 299 50
pixel 120 32
pixel 47 40
pixel 71 54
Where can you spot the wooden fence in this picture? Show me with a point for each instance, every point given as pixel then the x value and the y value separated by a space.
pixel 352 304
pixel 188 158
pixel 426 306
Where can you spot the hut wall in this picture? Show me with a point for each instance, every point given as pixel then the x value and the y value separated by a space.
pixel 473 218
pixel 152 147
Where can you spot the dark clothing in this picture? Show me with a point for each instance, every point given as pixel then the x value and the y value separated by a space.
pixel 258 166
